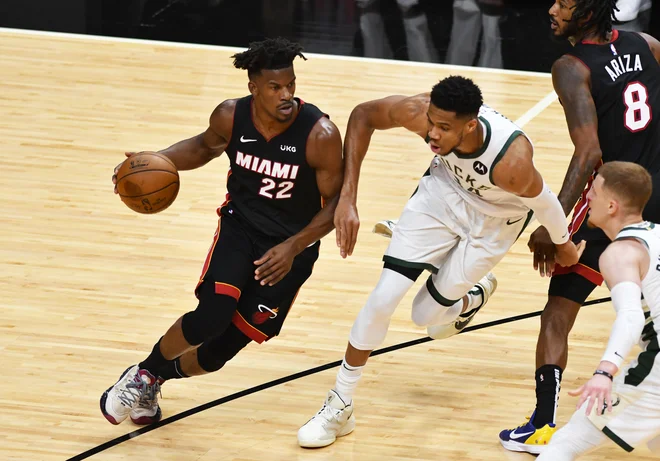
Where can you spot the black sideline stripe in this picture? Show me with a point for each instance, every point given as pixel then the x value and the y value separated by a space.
pixel 293 377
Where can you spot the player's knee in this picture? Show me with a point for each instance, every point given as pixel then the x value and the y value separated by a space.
pixel 212 316
pixel 380 304
pixel 214 353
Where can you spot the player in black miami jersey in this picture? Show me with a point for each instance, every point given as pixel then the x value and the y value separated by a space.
pixel 286 159
pixel 609 87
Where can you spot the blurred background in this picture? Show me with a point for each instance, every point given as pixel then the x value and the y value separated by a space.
pixel 508 34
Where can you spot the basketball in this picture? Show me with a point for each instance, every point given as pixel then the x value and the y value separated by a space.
pixel 147 182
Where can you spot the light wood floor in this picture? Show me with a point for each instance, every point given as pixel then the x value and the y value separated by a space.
pixel 88 286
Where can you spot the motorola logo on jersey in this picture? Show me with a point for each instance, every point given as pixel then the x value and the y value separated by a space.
pixel 480 167
pixel 284 148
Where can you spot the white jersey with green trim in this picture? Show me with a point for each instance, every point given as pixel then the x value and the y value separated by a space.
pixel 649 234
pixel 472 173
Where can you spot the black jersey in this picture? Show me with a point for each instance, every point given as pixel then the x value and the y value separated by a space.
pixel 625 86
pixel 270 185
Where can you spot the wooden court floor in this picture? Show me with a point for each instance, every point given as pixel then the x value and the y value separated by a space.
pixel 88 286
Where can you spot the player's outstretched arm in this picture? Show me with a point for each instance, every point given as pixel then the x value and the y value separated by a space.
pixel 199 150
pixel 571 80
pixel 324 155
pixel 516 173
pixel 623 265
pixel 380 114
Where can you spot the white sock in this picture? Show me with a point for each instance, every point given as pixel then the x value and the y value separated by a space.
pixel 347 380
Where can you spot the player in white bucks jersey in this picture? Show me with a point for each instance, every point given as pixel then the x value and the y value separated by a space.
pixel 624 410
pixel 469 208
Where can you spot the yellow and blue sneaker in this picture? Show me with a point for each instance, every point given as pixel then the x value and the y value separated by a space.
pixel 527 437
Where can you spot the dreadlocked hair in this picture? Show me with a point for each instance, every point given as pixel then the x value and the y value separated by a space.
pixel 270 54
pixel 602 15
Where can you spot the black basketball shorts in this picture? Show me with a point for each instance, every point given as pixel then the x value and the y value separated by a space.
pixel 230 267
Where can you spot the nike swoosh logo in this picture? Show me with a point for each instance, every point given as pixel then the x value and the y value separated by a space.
pixel 247 140
pixel 616 353
pixel 509 222
pixel 460 325
pixel 515 435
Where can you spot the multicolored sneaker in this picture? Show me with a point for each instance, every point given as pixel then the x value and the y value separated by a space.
pixel 147 410
pixel 118 401
pixel 527 438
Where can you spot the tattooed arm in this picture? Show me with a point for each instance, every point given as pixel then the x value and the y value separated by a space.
pixel 572 82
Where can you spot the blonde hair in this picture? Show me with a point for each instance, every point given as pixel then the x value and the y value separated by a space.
pixel 628 182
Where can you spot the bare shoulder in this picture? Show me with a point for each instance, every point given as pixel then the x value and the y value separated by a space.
pixel 569 74
pixel 514 171
pixel 324 131
pixel 324 144
pixel 622 252
pixel 654 44
pixel 222 118
pixel 410 107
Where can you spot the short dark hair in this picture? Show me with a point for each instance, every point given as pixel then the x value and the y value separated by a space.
pixel 602 13
pixel 269 54
pixel 457 94
pixel 629 182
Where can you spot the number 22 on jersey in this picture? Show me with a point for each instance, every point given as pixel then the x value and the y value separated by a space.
pixel 283 188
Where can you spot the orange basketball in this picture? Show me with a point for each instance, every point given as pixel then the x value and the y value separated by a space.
pixel 147 182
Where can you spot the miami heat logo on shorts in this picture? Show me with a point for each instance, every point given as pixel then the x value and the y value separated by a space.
pixel 264 313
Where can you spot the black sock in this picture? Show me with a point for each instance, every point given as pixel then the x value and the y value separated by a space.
pixel 172 370
pixel 155 361
pixel 548 384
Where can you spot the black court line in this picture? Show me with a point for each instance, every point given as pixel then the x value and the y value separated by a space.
pixel 286 379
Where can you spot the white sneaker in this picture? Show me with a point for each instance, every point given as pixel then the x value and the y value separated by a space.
pixel 125 395
pixel 486 286
pixel 334 419
pixel 385 228
pixel 147 410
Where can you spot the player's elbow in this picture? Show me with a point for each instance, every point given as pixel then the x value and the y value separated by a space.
pixel 589 154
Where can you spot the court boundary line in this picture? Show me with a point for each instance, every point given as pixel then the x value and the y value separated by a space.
pixel 301 374
pixel 200 46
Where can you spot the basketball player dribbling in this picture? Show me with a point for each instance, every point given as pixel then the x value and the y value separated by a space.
pixel 286 158
pixel 470 207
pixel 609 87
pixel 624 409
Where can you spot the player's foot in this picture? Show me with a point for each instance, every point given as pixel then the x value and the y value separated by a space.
pixel 148 410
pixel 334 419
pixel 486 287
pixel 125 394
pixel 527 438
pixel 385 228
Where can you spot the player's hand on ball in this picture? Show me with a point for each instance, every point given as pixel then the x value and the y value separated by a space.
pixel 347 223
pixel 275 264
pixel 569 254
pixel 544 251
pixel 597 391
pixel 114 174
